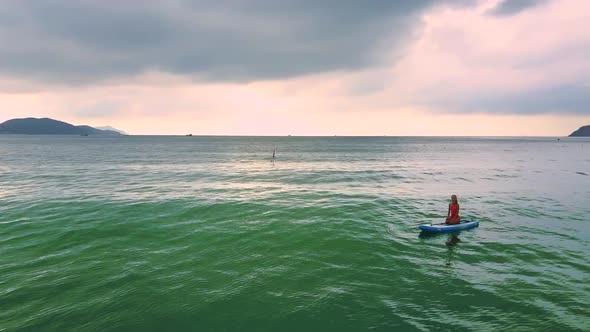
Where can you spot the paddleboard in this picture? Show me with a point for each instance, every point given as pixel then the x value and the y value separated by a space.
pixel 444 228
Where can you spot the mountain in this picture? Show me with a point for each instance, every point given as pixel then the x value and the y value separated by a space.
pixel 46 126
pixel 112 129
pixel 582 131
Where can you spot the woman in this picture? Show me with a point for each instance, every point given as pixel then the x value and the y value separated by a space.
pixel 453 213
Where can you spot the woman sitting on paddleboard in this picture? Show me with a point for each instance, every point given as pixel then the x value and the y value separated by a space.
pixel 453 213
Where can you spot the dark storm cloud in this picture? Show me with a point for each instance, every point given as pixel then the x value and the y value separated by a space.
pixel 73 41
pixel 511 7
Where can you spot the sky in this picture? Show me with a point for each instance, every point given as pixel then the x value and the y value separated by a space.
pixel 300 67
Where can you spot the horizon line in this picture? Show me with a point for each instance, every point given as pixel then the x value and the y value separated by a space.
pixel 368 136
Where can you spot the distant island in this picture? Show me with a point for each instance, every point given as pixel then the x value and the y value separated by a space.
pixel 46 126
pixel 113 129
pixel 582 131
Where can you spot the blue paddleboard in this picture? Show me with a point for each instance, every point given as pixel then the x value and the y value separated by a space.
pixel 444 228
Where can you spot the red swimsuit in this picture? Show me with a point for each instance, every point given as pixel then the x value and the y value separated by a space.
pixel 454 208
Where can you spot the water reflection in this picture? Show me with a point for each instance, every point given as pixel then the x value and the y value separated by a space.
pixel 453 240
pixel 453 237
pixel 451 243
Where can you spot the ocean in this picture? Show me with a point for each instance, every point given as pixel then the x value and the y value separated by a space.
pixel 209 233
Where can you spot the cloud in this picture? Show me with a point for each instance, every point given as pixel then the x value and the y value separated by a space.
pixel 96 109
pixel 512 7
pixel 466 61
pixel 561 99
pixel 70 42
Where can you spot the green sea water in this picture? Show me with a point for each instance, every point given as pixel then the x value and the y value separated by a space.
pixel 209 234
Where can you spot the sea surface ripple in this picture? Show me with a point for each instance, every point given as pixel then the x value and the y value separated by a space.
pixel 209 233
